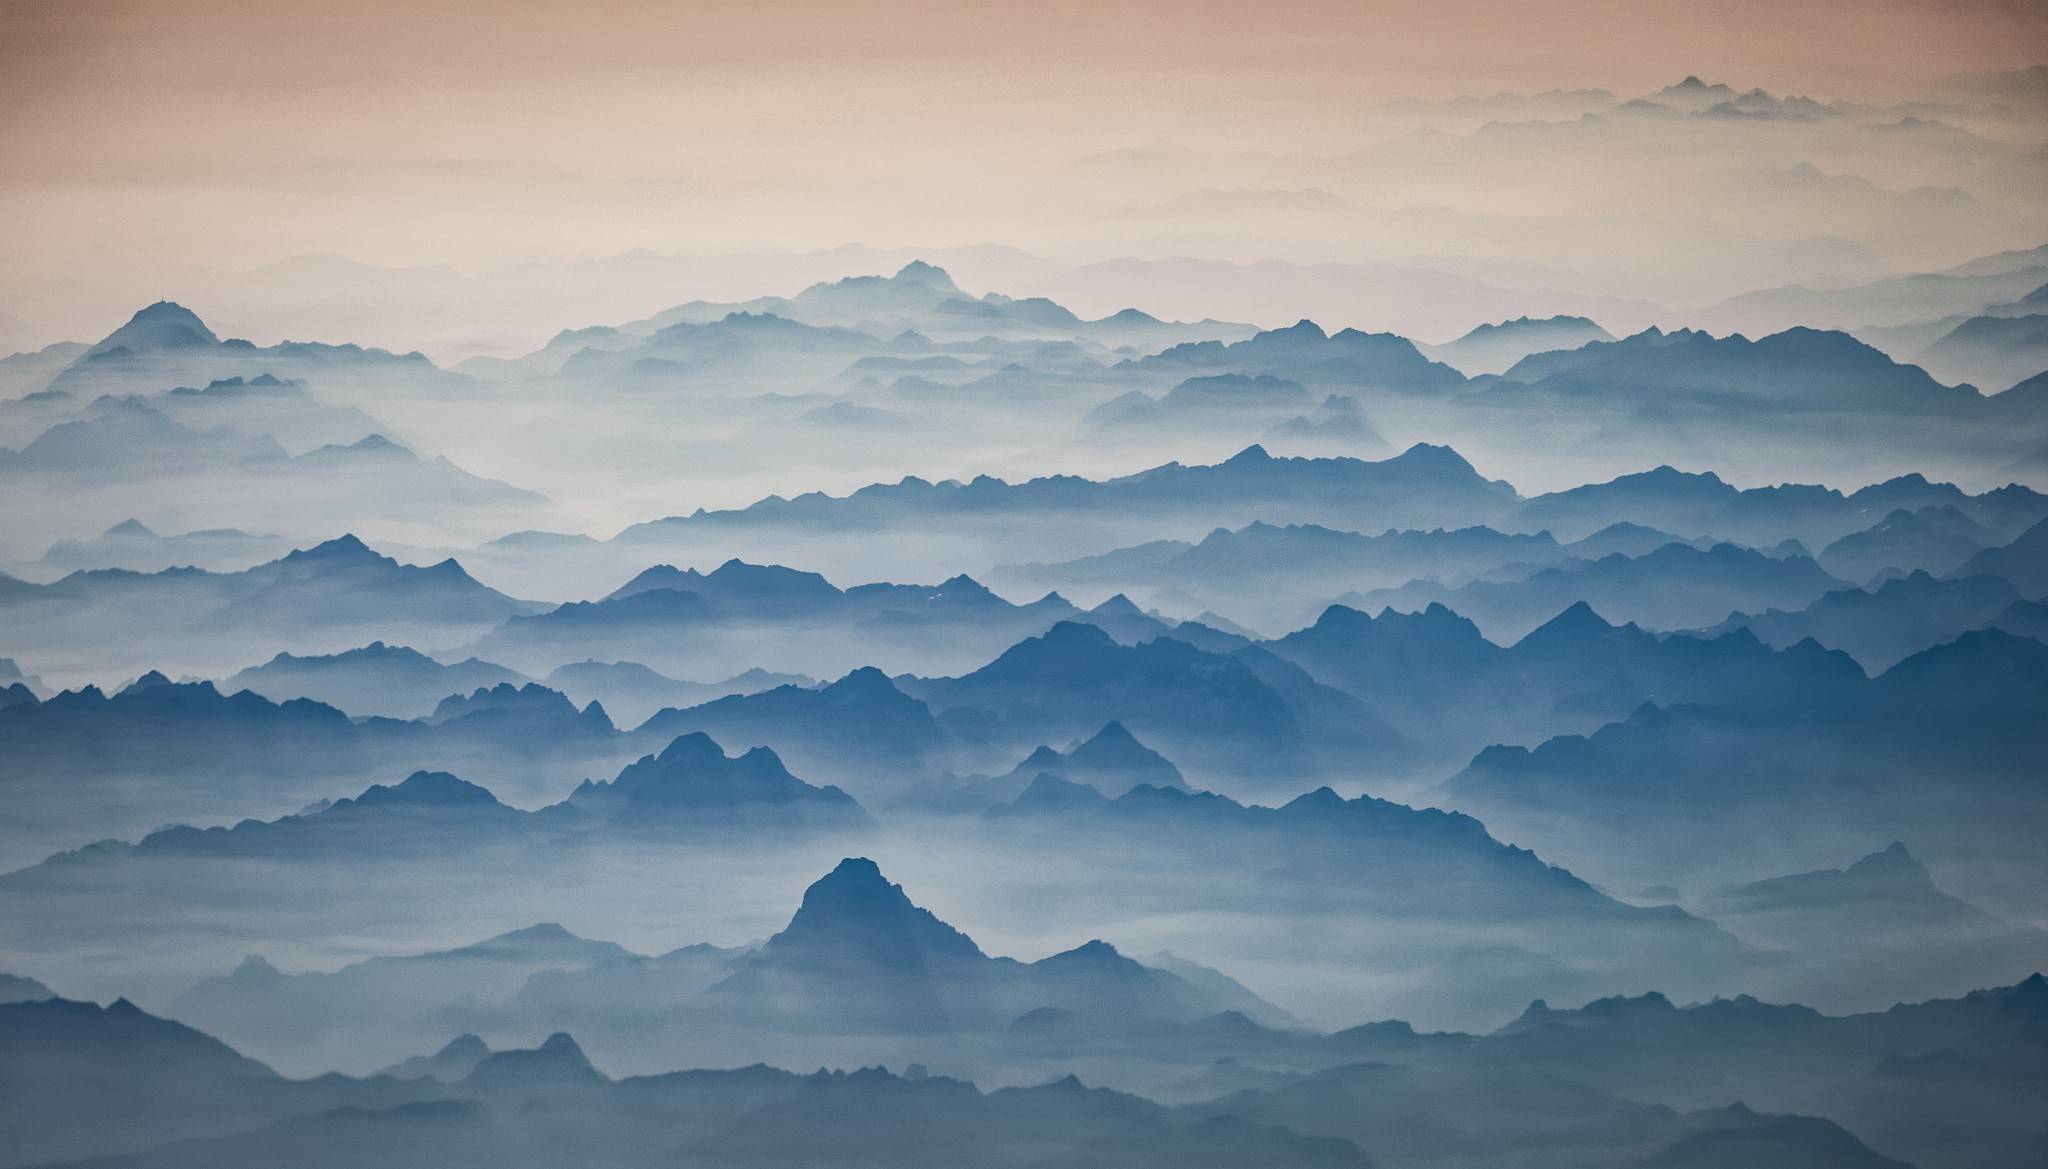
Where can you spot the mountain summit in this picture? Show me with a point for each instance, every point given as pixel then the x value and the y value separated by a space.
pixel 854 917
pixel 163 325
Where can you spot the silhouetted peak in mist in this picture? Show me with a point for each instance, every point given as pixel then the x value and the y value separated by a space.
pixel 163 325
pixel 694 772
pixel 920 272
pixel 1113 746
pixel 255 968
pixel 854 915
pixel 557 1062
pixel 342 547
pixel 148 681
pixel 427 788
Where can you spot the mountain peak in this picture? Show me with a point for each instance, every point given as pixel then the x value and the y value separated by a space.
pixel 1117 606
pixel 1892 861
pixel 1092 950
pixel 468 1044
pixel 919 271
pixel 437 788
pixel 1434 454
pixel 148 681
pixel 558 1060
pixel 343 547
pixel 854 879
pixel 694 773
pixel 1113 737
pixel 163 325
pixel 853 915
pixel 1577 620
pixel 561 1044
pixel 864 682
pixel 255 968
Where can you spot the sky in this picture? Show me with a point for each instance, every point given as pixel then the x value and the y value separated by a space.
pixel 217 133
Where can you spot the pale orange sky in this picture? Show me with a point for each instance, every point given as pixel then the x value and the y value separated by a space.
pixel 232 133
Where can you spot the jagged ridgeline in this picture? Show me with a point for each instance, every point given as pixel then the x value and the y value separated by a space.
pixel 1315 630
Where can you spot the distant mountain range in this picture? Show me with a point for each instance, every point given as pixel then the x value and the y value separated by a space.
pixel 1675 587
pixel 132 545
pixel 167 344
pixel 1993 353
pixel 1304 353
pixel 1693 372
pixel 769 615
pixel 914 311
pixel 390 681
pixel 1495 348
pixel 1884 756
pixel 1590 1084
pixel 339 590
pixel 1884 625
pixel 690 788
pixel 1110 762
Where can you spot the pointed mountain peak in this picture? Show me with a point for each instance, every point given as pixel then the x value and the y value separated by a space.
pixel 853 914
pixel 1117 606
pixel 370 444
pixel 964 587
pixel 1249 456
pixel 1067 647
pixel 920 272
pixel 562 1045
pixel 1113 736
pixel 695 749
pixel 163 325
pixel 1436 458
pixel 255 968
pixel 467 1045
pixel 1579 620
pixel 1321 800
pixel 148 681
pixel 855 881
pixel 864 683
pixel 1115 756
pixel 130 527
pixel 558 1060
pixel 343 547
pixel 694 772
pixel 1093 950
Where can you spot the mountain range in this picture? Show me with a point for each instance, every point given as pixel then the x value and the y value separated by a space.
pixel 1546 1088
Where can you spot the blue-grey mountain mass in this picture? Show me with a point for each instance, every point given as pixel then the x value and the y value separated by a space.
pixel 1430 586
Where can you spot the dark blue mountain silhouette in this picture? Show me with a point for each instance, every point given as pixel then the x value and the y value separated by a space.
pixel 693 782
pixel 1304 353
pixel 395 681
